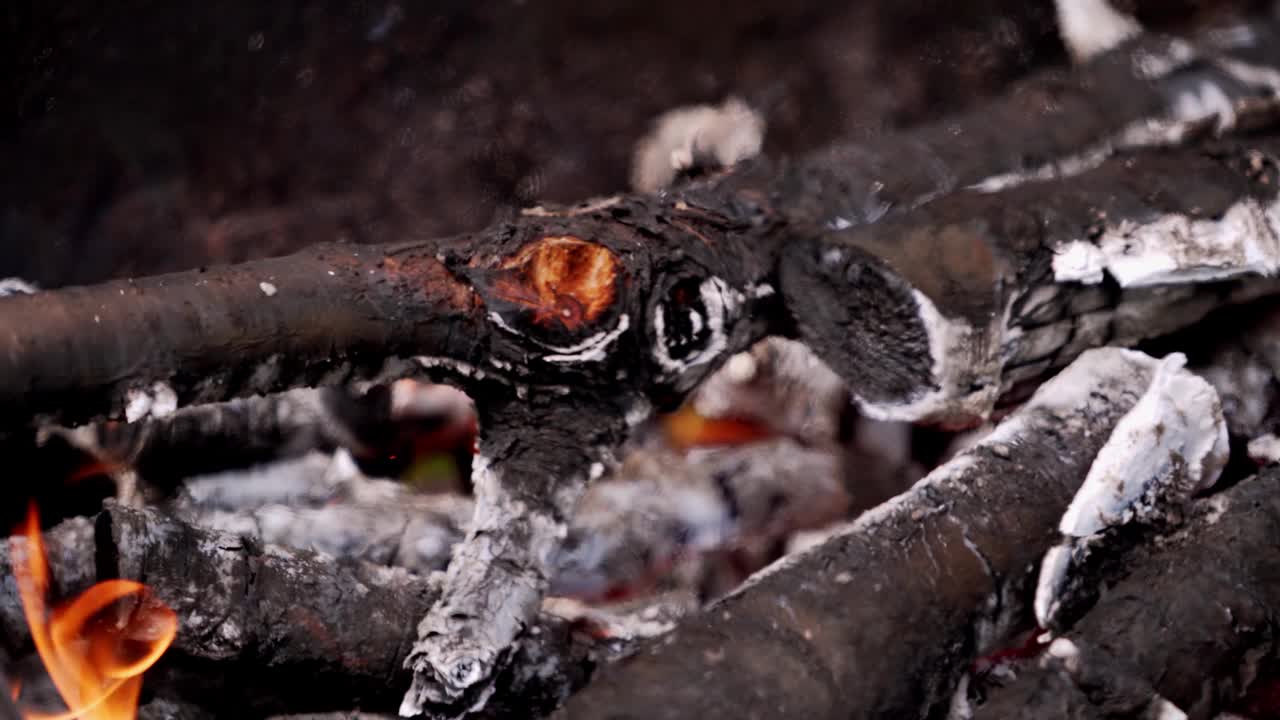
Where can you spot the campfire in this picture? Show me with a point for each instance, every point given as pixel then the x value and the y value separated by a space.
pixel 975 416
pixel 95 647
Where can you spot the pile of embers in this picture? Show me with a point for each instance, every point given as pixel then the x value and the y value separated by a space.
pixel 1074 280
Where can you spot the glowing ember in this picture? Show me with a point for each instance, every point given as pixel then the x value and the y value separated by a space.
pixel 563 280
pixel 685 429
pixel 96 647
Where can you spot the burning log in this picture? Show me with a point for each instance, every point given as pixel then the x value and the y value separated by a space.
pixel 1186 633
pixel 290 630
pixel 564 323
pixel 886 616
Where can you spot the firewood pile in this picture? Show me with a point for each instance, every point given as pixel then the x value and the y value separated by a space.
pixel 974 418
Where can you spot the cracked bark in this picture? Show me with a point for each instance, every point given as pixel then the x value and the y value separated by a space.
pixel 883 619
pixel 1193 623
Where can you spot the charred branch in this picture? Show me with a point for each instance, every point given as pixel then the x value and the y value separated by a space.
pixel 1187 632
pixel 885 616
pixel 292 631
pixel 955 305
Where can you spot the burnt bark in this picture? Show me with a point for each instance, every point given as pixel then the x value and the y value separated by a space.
pixel 882 620
pixel 945 312
pixel 1193 623
pixel 291 631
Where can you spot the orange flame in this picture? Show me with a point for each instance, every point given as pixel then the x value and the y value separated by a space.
pixel 95 658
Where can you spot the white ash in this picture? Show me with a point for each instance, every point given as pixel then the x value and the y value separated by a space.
pixel 306 481
pixel 1265 449
pixel 1170 445
pixel 1178 249
pixel 964 358
pixel 1092 27
pixel 698 135
pixel 157 401
pixel 411 398
pixel 17 286
pixel 1162 709
pixel 960 709
pixel 267 288
pixel 662 506
pixel 484 603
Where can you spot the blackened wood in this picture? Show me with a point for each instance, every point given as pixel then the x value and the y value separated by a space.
pixel 335 312
pixel 290 631
pixel 883 619
pixel 937 314
pixel 1194 621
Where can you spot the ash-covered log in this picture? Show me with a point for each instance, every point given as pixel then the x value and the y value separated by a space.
pixel 1186 633
pixel 291 631
pixel 940 313
pixel 881 620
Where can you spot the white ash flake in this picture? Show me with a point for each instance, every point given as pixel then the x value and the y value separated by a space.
pixel 1171 444
pixel 1173 441
pixel 267 288
pixel 705 135
pixel 1265 449
pixel 1178 249
pixel 1162 709
pixel 1066 651
pixel 17 286
pixel 1092 27
pixel 157 401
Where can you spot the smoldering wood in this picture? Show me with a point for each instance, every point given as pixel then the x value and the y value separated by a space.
pixel 958 303
pixel 1193 623
pixel 328 314
pixel 885 617
pixel 556 372
pixel 292 631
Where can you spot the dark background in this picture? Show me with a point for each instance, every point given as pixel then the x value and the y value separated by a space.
pixel 140 137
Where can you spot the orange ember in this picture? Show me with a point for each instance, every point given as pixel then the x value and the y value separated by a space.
pixel 561 279
pixel 96 647
pixel 685 429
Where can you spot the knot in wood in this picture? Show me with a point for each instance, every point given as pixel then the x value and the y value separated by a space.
pixel 563 280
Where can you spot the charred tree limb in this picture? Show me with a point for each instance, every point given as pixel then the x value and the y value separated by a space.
pixel 1192 624
pixel 291 631
pixel 957 303
pixel 336 312
pixel 882 620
